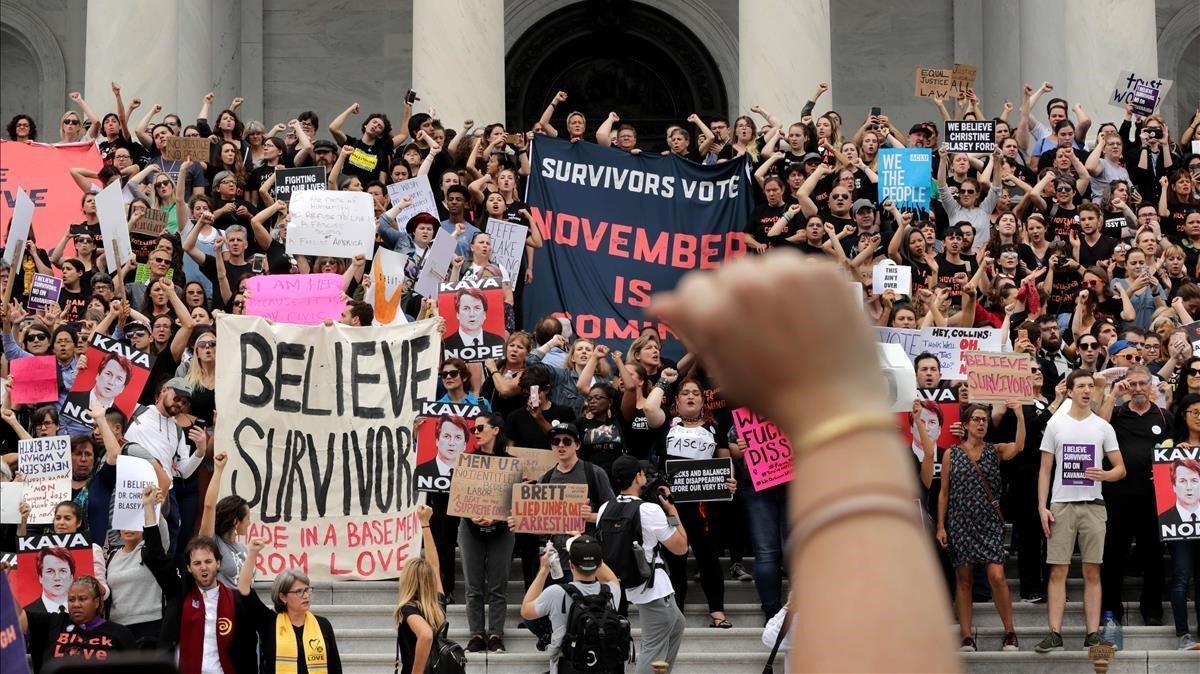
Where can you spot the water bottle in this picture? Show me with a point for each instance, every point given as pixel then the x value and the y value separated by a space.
pixel 1110 630
pixel 556 571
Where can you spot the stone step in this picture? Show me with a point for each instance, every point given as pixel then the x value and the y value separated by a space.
pixel 379 640
pixel 1136 638
pixel 363 616
pixel 1026 615
pixel 1075 661
pixel 537 663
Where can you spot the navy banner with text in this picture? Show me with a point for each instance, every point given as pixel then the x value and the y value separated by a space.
pixel 619 227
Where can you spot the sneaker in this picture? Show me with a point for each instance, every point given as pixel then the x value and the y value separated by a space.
pixel 1010 642
pixel 476 644
pixel 738 572
pixel 1052 642
pixel 1094 639
pixel 968 645
pixel 495 644
pixel 1034 599
pixel 1187 643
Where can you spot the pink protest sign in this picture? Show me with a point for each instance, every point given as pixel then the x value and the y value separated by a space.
pixel 35 380
pixel 302 299
pixel 768 452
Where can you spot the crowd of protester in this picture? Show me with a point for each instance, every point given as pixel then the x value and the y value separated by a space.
pixel 1084 248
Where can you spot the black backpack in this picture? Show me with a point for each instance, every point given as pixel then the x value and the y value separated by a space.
pixel 619 532
pixel 445 656
pixel 598 638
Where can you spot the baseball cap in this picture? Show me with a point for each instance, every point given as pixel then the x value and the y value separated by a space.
pixel 861 204
pixel 179 385
pixel 584 552
pixel 563 429
pixel 326 145
pixel 136 325
pixel 624 471
pixel 919 128
pixel 811 156
pixel 1119 346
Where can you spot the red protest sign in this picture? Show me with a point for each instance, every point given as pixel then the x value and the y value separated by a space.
pixel 474 313
pixel 44 172
pixel 114 377
pixel 46 567
pixel 768 452
pixel 35 380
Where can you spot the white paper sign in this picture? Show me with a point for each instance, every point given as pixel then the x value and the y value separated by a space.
pixel 387 287
pixel 508 245
pixel 10 502
pixel 18 231
pixel 910 340
pixel 420 192
pixel 1144 92
pixel 949 343
pixel 114 228
pixel 133 475
pixel 46 465
pixel 436 265
pixel 339 224
pixel 888 275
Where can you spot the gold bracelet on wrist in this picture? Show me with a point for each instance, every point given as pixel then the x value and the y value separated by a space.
pixel 841 426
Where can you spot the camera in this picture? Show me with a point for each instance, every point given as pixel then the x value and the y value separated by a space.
pixel 1154 132
pixel 655 481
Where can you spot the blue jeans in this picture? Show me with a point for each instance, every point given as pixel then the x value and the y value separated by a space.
pixel 766 513
pixel 1185 561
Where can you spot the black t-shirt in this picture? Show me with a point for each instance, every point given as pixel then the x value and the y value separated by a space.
pixel 500 404
pixel 601 442
pixel 231 218
pixel 235 272
pixel 368 160
pixel 761 220
pixel 1103 249
pixel 52 636
pixel 408 638
pixel 1060 221
pixel 1172 225
pixel 1113 223
pixel 1137 435
pixel 73 304
pixel 947 270
pixel 1064 290
pixel 641 440
pixel 525 432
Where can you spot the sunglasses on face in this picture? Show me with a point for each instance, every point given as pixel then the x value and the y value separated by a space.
pixel 206 345
pixel 71 122
pixel 1063 190
pixel 37 337
pixel 966 191
pixel 134 334
pixel 1088 346
pixel 1130 356
pixel 1036 370
pixel 1194 372
pixel 562 441
pixel 839 197
pixel 162 183
pixel 478 429
pixel 449 374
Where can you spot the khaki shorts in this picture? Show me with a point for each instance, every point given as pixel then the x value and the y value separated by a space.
pixel 1085 520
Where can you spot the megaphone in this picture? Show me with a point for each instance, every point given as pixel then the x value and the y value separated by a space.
pixel 900 376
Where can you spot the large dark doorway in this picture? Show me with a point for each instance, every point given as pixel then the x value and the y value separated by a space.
pixel 613 55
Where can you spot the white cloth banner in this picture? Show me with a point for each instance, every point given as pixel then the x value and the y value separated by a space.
pixel 318 423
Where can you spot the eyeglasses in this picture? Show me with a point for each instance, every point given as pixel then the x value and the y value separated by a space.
pixel 966 191
pixel 37 337
pixel 839 197
pixel 84 239
pixel 134 334
pixel 160 260
pixel 1193 372
pixel 1036 370
pixel 1064 189
pixel 1195 414
pixel 1138 383
pixel 562 441
pixel 479 429
pixel 978 420
pixel 1130 356
pixel 70 122
pixel 302 592
pixel 207 345
pixel 449 374
pixel 46 422
pixel 162 183
pixel 1089 346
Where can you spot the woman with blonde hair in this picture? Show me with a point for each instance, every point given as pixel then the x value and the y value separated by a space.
pixel 421 606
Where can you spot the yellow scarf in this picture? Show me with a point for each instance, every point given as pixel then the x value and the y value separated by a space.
pixel 315 657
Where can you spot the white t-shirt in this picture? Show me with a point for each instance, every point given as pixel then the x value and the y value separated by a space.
pixel 655 530
pixel 1077 445
pixel 695 442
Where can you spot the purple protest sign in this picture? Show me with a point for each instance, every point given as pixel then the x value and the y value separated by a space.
pixel 12 644
pixel 1075 460
pixel 45 291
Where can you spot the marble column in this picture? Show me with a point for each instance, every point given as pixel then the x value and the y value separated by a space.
pixel 174 69
pixel 461 77
pixel 783 52
pixel 1081 46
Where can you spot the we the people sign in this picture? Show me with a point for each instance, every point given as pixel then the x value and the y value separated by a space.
pixel 318 424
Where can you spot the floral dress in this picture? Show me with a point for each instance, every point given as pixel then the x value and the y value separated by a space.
pixel 974 528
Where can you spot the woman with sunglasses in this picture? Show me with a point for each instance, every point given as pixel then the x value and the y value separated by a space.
pixel 486 546
pixel 969 522
pixel 202 373
pixel 1095 302
pixel 1091 356
pixel 1188 383
pixel 456 381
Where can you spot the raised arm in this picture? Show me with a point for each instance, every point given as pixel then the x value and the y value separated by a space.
pixel 656 416
pixel 262 236
pixel 549 129
pixel 89 115
pixel 604 132
pixel 335 127
pixel 760 174
pixel 140 130
pixel 208 515
pixel 83 178
pixel 335 173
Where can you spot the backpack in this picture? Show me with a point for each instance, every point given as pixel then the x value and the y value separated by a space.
pixel 445 656
pixel 619 532
pixel 598 638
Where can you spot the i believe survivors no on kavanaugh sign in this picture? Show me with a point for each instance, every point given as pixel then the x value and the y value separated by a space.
pixel 620 227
